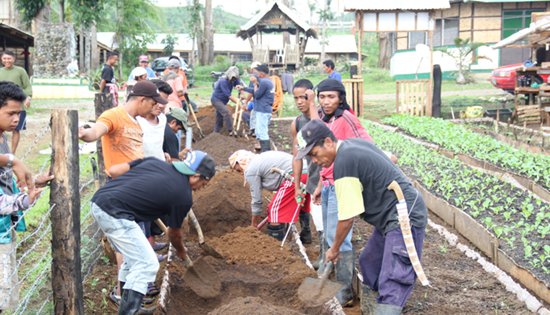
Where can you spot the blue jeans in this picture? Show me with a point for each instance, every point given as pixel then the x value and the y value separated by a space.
pixel 330 218
pixel 262 125
pixel 140 264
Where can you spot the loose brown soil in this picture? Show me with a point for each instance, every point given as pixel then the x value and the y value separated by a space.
pixel 260 278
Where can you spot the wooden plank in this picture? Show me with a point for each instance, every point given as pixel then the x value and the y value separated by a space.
pixel 477 234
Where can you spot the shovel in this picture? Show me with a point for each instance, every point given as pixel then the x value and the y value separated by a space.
pixel 316 292
pixel 207 249
pixel 190 109
pixel 200 278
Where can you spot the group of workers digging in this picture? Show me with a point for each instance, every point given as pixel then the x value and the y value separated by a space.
pixel 335 172
pixel 336 165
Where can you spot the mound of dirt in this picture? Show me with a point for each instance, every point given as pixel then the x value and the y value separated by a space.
pixel 221 146
pixel 223 204
pixel 251 305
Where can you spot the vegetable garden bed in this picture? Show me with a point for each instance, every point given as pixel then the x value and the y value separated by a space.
pixel 531 170
pixel 531 140
pixel 519 221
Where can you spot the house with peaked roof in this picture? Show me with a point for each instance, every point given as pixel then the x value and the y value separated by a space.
pixel 276 17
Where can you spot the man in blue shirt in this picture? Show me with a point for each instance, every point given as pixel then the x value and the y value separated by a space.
pixel 264 93
pixel 221 96
pixel 328 67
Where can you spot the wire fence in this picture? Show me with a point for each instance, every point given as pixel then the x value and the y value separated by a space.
pixel 29 255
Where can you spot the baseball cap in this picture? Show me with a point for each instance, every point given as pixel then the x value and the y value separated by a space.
pixel 143 58
pixel 263 68
pixel 309 135
pixel 197 162
pixel 180 115
pixel 173 63
pixel 254 64
pixel 138 72
pixel 148 89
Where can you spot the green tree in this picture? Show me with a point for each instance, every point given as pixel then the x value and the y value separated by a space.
pixel 464 56
pixel 170 41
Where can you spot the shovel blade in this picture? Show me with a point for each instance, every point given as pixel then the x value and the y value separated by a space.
pixel 203 280
pixel 210 251
pixel 313 292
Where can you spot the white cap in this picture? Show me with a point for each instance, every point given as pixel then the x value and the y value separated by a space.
pixel 138 72
pixel 254 64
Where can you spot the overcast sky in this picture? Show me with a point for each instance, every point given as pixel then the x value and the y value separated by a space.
pixel 248 8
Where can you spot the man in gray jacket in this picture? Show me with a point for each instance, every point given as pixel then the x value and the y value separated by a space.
pixel 259 173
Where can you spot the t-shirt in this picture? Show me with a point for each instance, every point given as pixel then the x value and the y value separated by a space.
pixel 335 75
pixel 149 190
pixel 123 141
pixel 6 174
pixel 153 136
pixel 173 99
pixel 171 144
pixel 263 96
pixel 344 126
pixel 18 76
pixel 108 74
pixel 362 173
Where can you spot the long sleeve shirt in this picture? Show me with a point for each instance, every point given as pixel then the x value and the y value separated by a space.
pixel 263 95
pixel 258 175
pixel 18 76
pixel 222 90
pixel 10 204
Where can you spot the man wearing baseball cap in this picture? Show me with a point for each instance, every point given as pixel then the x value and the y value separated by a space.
pixel 121 136
pixel 362 177
pixel 144 190
pixel 144 62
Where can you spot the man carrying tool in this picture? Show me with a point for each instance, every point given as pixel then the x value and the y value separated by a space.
pixel 336 115
pixel 364 178
pixel 263 171
pixel 304 99
pixel 221 96
pixel 144 190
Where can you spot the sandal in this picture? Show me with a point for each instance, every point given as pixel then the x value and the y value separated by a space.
pixel 159 245
pixel 161 258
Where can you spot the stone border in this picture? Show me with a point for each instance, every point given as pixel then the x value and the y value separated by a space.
pixel 484 240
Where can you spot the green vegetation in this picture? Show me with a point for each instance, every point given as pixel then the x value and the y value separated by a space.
pixel 459 139
pixel 519 220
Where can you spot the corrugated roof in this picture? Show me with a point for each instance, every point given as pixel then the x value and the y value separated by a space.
pixel 393 5
pixel 504 1
pixel 249 28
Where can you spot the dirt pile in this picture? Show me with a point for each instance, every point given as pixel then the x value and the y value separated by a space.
pixel 221 146
pixel 249 306
pixel 222 205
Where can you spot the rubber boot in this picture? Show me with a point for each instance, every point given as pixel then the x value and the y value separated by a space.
pixel 276 231
pixel 265 145
pixel 387 309
pixel 368 300
pixel 319 259
pixel 305 233
pixel 130 303
pixel 344 275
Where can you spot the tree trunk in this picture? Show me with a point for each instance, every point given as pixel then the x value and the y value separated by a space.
pixel 206 46
pixel 94 52
pixel 384 56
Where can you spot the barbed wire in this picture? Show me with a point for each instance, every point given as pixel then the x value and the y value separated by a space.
pixel 48 300
pixel 37 138
pixel 23 305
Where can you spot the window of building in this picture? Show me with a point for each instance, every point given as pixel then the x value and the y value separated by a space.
pixel 446 30
pixel 416 38
pixel 515 20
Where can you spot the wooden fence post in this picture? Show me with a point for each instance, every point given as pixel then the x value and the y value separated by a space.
pixel 65 215
pixel 102 103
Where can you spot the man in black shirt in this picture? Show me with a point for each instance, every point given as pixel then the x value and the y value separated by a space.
pixel 177 119
pixel 362 178
pixel 108 72
pixel 144 190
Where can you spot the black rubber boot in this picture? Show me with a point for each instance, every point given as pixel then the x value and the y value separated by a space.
pixel 276 231
pixel 344 275
pixel 130 303
pixel 305 233
pixel 265 145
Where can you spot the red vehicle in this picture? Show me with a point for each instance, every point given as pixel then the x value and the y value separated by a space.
pixel 505 77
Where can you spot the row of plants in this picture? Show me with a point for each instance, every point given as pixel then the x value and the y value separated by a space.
pixel 459 139
pixel 520 221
